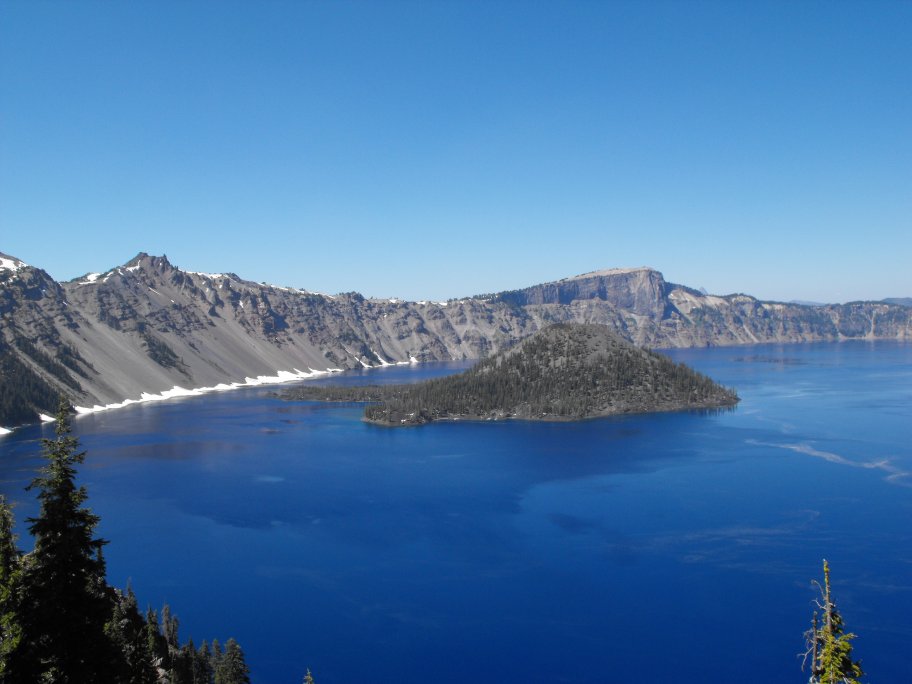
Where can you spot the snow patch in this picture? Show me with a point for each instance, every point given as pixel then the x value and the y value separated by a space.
pixel 4 431
pixel 358 359
pixel 383 362
pixel 90 278
pixel 176 392
pixel 11 265
pixel 133 268
pixel 45 418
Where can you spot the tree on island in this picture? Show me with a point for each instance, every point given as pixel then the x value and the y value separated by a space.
pixel 60 621
pixel 829 647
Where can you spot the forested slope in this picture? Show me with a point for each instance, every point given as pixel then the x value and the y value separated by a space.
pixel 565 372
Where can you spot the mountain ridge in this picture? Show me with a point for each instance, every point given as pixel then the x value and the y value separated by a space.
pixel 148 326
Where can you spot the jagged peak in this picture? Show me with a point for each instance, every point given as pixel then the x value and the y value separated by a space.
pixel 143 259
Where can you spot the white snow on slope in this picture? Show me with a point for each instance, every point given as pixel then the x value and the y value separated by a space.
pixel 4 431
pixel 383 362
pixel 177 391
pixel 11 264
pixel 206 275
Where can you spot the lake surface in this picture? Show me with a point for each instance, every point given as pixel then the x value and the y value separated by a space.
pixel 664 548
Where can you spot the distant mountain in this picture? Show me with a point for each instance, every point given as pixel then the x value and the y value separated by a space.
pixel 567 371
pixel 139 330
pixel 899 301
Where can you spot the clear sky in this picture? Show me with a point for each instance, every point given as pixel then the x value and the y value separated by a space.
pixel 428 150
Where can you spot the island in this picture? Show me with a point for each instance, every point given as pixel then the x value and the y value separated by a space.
pixel 567 371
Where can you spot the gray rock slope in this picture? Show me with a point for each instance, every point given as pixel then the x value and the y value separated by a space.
pixel 148 326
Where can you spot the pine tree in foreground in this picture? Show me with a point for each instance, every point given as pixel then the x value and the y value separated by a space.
pixel 231 667
pixel 59 595
pixel 829 647
pixel 61 623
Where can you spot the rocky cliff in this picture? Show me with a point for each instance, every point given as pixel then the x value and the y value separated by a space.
pixel 148 326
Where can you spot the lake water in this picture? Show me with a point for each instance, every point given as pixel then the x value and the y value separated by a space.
pixel 664 548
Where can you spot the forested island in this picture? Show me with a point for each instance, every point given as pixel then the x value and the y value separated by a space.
pixel 564 372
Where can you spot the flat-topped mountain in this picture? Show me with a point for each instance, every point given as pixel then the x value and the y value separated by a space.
pixel 564 372
pixel 148 326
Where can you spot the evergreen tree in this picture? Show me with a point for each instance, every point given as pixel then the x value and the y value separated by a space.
pixel 128 631
pixel 182 664
pixel 216 655
pixel 202 665
pixel 308 678
pixel 61 600
pixel 61 623
pixel 829 646
pixel 10 559
pixel 155 642
pixel 9 552
pixel 232 668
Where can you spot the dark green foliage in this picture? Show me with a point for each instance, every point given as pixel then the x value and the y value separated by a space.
pixel 70 357
pixel 127 630
pixel 60 622
pixel 155 642
pixel 23 393
pixel 564 372
pixel 10 558
pixel 60 598
pixel 51 366
pixel 829 645
pixel 203 672
pixel 231 667
pixel 159 351
pixel 9 552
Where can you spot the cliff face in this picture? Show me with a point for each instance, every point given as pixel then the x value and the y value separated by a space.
pixel 148 326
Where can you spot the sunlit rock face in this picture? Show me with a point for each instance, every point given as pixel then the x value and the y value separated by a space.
pixel 150 327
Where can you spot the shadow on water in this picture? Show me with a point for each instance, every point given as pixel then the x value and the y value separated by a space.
pixel 516 550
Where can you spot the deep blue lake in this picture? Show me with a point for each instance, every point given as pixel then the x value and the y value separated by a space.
pixel 662 548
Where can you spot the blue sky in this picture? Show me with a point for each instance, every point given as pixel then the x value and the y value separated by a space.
pixel 440 149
